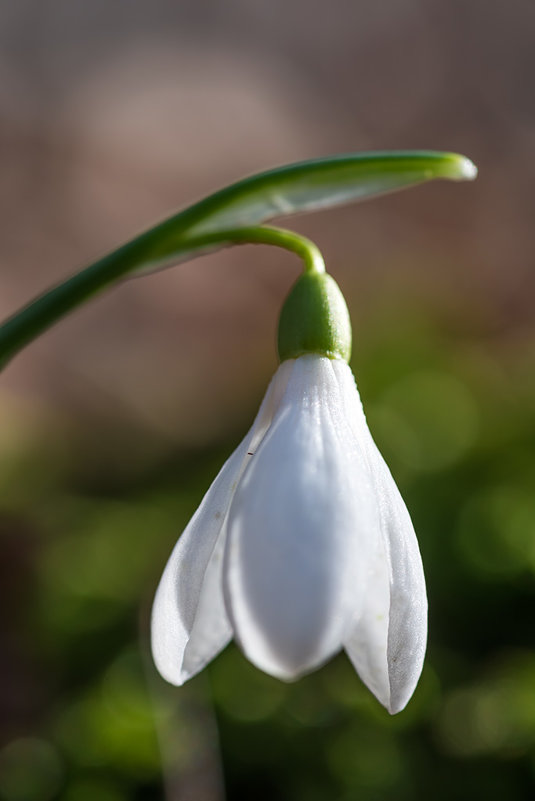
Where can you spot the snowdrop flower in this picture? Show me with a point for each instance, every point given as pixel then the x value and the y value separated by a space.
pixel 302 546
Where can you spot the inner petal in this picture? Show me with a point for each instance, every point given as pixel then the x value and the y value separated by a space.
pixel 299 527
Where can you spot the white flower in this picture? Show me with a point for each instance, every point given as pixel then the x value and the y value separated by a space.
pixel 301 546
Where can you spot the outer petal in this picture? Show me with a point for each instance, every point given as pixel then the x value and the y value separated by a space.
pixel 298 531
pixel 367 644
pixel 387 645
pixel 189 622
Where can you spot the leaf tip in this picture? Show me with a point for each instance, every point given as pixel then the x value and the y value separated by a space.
pixel 464 168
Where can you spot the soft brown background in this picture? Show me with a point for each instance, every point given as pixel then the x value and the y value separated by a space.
pixel 115 114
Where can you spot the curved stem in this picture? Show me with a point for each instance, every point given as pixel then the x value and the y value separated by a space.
pixel 27 324
pixel 270 235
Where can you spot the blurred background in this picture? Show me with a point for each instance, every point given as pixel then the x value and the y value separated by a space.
pixel 113 115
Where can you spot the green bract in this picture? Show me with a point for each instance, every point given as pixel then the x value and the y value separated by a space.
pixel 314 319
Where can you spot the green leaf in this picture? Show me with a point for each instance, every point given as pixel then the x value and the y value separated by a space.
pixel 322 183
pixel 212 223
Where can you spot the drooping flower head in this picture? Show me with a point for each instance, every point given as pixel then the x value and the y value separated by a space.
pixel 303 545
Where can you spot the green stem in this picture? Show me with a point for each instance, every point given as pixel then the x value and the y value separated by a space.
pixel 158 246
pixel 269 235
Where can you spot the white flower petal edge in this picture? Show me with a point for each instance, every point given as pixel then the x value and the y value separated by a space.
pixel 387 645
pixel 302 530
pixel 189 624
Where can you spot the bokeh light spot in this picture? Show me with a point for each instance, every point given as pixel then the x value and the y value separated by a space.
pixel 30 770
pixel 493 716
pixel 428 420
pixel 496 531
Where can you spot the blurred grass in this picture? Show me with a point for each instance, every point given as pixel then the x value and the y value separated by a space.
pixel 451 403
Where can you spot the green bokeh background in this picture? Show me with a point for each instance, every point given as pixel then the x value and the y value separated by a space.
pixel 453 412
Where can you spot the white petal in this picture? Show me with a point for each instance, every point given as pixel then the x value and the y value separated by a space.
pixel 388 643
pixel 298 551
pixel 189 622
pixel 368 641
